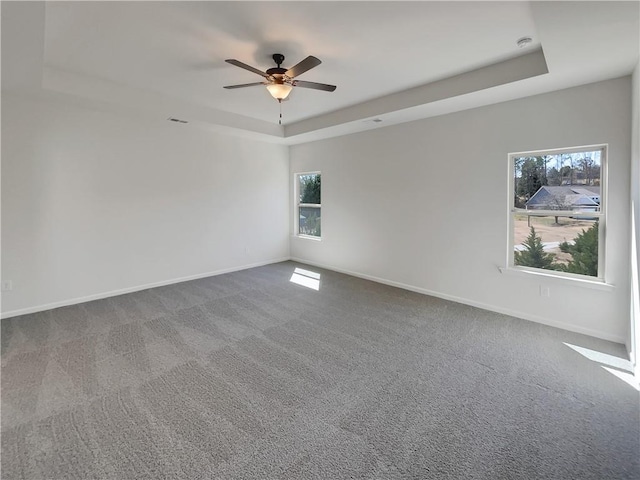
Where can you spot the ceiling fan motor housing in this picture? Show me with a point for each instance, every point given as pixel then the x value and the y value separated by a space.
pixel 277 72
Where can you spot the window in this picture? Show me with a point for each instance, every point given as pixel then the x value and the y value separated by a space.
pixel 557 211
pixel 308 204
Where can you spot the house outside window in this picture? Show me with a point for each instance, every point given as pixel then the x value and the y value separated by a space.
pixel 557 213
pixel 308 204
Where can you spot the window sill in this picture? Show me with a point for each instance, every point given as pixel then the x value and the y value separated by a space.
pixel 308 237
pixel 578 282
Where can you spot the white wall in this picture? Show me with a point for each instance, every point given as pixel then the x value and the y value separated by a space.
pixel 93 203
pixel 635 201
pixel 424 204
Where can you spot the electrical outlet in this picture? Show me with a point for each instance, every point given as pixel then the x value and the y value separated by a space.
pixel 545 291
pixel 7 285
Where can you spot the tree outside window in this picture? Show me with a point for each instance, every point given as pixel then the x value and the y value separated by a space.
pixel 557 211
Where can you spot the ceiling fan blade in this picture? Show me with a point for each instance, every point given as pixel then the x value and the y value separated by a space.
pixel 245 85
pixel 306 64
pixel 314 85
pixel 237 63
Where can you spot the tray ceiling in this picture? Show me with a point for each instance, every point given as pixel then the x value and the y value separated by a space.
pixel 401 60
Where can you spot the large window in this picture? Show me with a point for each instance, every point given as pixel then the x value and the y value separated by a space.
pixel 557 211
pixel 308 205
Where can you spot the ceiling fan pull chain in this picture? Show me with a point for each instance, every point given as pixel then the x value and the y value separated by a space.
pixel 280 119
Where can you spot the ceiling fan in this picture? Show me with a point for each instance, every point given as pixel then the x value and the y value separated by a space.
pixel 280 81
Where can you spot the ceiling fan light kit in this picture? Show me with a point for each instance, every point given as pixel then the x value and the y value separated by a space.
pixel 280 81
pixel 279 91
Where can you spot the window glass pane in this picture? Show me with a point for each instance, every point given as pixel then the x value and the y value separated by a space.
pixel 309 221
pixel 556 243
pixel 564 181
pixel 309 188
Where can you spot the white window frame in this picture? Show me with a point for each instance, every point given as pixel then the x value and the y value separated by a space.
pixel 298 205
pixel 602 214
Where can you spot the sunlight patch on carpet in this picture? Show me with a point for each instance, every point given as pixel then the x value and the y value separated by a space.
pixel 306 278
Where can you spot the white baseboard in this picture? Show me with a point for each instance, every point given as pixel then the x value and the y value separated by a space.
pixel 113 293
pixel 424 291
pixel 473 303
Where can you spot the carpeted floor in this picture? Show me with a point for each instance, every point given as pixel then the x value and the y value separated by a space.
pixel 251 376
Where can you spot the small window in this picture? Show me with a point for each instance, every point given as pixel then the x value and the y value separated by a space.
pixel 557 212
pixel 308 205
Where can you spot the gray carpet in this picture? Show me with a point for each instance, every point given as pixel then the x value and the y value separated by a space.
pixel 250 376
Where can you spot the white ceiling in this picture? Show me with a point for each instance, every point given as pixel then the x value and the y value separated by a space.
pixel 394 60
